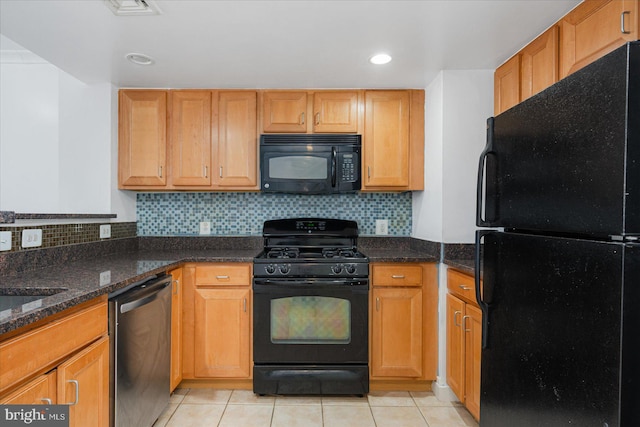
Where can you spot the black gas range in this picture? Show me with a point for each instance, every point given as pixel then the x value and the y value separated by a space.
pixel 311 301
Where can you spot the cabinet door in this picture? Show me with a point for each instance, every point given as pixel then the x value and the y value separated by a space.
pixel 595 28
pixel 142 138
pixel 84 379
pixel 472 323
pixel 539 63
pixel 506 85
pixel 284 112
pixel 190 138
pixel 176 328
pixel 40 391
pixel 455 346
pixel 236 140
pixel 223 333
pixel 335 112
pixel 386 139
pixel 396 347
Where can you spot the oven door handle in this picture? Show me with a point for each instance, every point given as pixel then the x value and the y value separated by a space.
pixel 265 286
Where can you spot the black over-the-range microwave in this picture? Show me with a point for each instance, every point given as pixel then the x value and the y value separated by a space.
pixel 310 164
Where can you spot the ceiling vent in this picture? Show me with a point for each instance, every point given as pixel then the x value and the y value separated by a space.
pixel 133 7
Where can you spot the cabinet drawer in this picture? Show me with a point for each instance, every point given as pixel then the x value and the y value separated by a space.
pixel 462 285
pixel 396 274
pixel 224 275
pixel 36 350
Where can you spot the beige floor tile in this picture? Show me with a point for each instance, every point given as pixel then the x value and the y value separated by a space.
pixel 251 415
pixel 347 416
pixel 297 416
pixel 178 395
pixel 386 416
pixel 164 417
pixel 466 416
pixel 188 415
pixel 443 416
pixel 207 395
pixel 390 398
pixel 344 401
pixel 427 398
pixel 298 400
pixel 245 397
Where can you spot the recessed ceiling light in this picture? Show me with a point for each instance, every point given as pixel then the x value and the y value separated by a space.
pixel 380 58
pixel 139 58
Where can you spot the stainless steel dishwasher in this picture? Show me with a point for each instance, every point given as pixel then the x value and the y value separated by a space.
pixel 140 331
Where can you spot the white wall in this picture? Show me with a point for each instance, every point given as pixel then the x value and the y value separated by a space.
pixel 458 103
pixel 57 144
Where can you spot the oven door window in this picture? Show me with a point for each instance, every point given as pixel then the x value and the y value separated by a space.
pixel 310 320
pixel 299 167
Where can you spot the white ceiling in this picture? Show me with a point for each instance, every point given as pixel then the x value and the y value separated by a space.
pixel 276 44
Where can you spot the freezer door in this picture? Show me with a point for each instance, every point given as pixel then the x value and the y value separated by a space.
pixel 568 159
pixel 554 343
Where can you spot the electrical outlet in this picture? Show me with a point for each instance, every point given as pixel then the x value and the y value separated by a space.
pixel 382 226
pixel 105 231
pixel 32 238
pixel 105 278
pixel 5 240
pixel 205 227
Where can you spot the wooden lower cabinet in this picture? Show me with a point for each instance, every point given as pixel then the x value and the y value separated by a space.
pixel 223 333
pixel 176 328
pixel 403 325
pixel 397 333
pixel 83 383
pixel 464 340
pixel 217 324
pixel 74 371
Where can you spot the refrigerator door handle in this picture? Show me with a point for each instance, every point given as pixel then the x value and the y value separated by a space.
pixel 482 219
pixel 480 287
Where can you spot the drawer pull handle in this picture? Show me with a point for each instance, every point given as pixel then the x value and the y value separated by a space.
pixel 302 118
pixel 623 30
pixel 177 282
pixel 244 305
pixel 220 171
pixel 464 288
pixel 377 304
pixel 397 276
pixel 206 171
pixel 222 277
pixel 75 382
pixel 317 118
pixel 46 400
pixel 160 171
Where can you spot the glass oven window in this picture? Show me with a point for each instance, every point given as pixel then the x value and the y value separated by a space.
pixel 310 320
pixel 298 167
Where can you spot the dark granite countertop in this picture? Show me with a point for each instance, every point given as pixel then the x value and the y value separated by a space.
pixel 83 280
pixel 83 272
pixel 464 265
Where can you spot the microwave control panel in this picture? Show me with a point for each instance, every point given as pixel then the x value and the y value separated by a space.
pixel 349 167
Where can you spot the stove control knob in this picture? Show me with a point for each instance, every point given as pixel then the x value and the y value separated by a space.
pixel 270 269
pixel 337 269
pixel 285 268
pixel 351 268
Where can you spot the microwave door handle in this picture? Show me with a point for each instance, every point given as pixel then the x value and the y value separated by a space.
pixel 334 171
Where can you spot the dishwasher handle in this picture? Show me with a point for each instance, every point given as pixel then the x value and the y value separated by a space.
pixel 144 295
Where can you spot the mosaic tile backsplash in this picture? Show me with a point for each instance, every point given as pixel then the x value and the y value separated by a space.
pixel 242 214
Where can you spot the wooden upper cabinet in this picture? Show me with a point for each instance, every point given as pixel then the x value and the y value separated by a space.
pixel 142 138
pixel 236 139
pixel 190 131
pixel 335 112
pixel 284 112
pixel 386 140
pixel 595 28
pixel 310 112
pixel 539 63
pixel 506 85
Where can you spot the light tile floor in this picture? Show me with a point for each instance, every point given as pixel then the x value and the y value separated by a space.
pixel 242 408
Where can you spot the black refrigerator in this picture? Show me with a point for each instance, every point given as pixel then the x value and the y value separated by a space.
pixel 559 197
